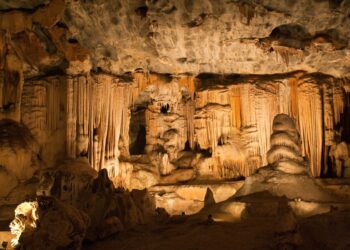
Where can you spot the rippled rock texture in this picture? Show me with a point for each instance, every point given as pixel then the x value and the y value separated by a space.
pixel 168 36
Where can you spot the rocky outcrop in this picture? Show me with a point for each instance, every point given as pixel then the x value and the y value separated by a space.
pixel 75 203
pixel 48 223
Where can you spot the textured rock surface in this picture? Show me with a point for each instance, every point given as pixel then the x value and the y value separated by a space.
pixel 189 198
pixel 157 128
pixel 170 92
pixel 109 210
pixel 21 4
pixel 168 36
pixel 48 224
pixel 18 158
pixel 260 37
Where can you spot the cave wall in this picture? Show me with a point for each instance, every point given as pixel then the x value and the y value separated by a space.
pixel 205 127
pixel 316 102
pixel 80 82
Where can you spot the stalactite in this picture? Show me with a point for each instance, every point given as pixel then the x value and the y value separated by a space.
pixel 34 109
pixel 82 115
pixel 219 126
pixel 188 83
pixel 105 100
pixel 97 119
pixel 125 123
pixel 232 159
pixel 310 123
pixel 287 53
pixel 284 98
pixel 266 109
pixel 283 53
pixel 247 10
pixel 293 85
pixel 71 119
pixel 338 103
pixel 247 99
pixel 235 101
pixel 249 133
pixel 190 111
pixel 139 84
pixel 328 115
pixel 53 96
pixel 213 117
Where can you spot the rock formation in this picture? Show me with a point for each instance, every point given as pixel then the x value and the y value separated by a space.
pixel 285 141
pixel 80 205
pixel 282 190
pixel 48 224
pixel 286 175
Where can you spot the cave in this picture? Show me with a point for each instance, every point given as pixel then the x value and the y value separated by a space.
pixel 174 124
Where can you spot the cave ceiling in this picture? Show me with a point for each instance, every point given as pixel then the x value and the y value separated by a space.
pixel 185 36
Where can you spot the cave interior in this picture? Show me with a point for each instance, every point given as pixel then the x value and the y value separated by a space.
pixel 174 124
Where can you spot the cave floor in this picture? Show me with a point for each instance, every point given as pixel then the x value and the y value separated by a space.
pixel 327 231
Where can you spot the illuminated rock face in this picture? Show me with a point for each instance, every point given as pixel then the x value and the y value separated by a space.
pixel 77 200
pixel 171 92
pixel 151 128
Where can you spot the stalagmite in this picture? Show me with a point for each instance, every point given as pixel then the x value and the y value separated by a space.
pixel 284 154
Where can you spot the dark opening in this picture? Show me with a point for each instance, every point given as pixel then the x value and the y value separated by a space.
pixel 137 131
pixel 9 106
pixel 84 154
pixel 294 31
pixel 12 77
pixel 329 170
pixel 73 40
pixel 139 146
pixel 187 146
pixel 142 11
pixel 95 131
pixel 204 152
pixel 345 120
pixel 164 109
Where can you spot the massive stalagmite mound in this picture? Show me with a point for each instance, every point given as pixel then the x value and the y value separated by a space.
pixel 287 172
pixel 285 152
